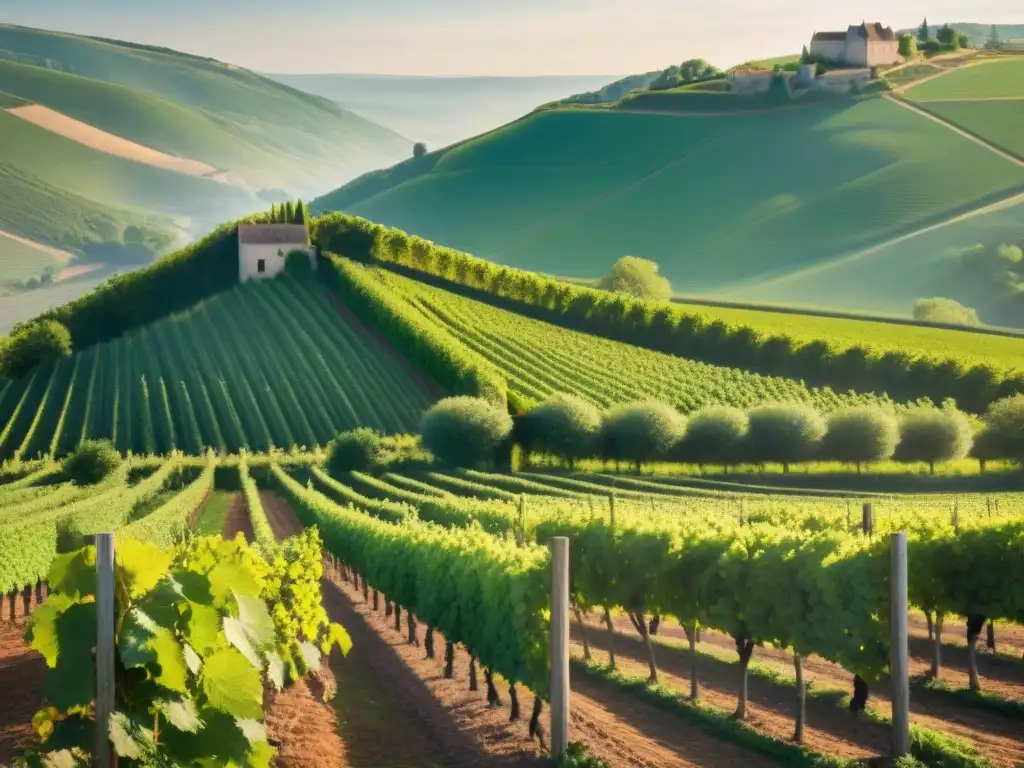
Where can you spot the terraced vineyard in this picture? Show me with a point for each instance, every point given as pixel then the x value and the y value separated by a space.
pixel 263 365
pixel 539 358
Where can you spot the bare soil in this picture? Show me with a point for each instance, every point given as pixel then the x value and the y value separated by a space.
pixel 237 520
pixel 830 728
pixel 98 139
pixel 21 683
pixel 458 723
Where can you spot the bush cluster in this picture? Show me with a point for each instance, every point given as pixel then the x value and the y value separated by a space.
pixel 572 430
pixel 465 431
pixel 43 341
pixel 91 462
pixel 668 328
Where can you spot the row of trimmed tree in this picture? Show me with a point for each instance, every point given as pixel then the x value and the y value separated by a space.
pixel 464 431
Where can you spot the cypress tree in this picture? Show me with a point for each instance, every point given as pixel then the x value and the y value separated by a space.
pixel 273 212
pixel 300 213
pixel 289 213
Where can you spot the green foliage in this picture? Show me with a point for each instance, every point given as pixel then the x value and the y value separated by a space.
pixel 91 462
pixel 905 362
pixel 638 278
pixel 195 641
pixel 933 435
pixel 947 311
pixel 1004 428
pixel 715 435
pixel 908 46
pixel 785 433
pixel 577 756
pixel 203 379
pixel 419 149
pixel 358 450
pixel 465 431
pixel 865 433
pixel 564 426
pixel 33 345
pixel 298 264
pixel 641 432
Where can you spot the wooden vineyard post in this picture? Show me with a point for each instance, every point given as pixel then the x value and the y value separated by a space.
pixel 867 520
pixel 898 663
pixel 104 645
pixel 559 646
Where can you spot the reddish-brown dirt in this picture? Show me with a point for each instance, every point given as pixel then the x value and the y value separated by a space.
pixel 237 520
pixel 830 728
pixel 615 725
pixel 21 682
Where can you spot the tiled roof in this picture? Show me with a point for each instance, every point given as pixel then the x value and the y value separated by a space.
pixel 876 32
pixel 257 234
pixel 836 37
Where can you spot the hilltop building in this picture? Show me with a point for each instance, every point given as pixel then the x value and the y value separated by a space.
pixel 866 45
pixel 262 248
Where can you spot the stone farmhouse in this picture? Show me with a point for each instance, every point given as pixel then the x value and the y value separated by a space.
pixel 262 249
pixel 867 45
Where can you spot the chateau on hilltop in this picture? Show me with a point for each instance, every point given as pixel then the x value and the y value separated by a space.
pixel 866 45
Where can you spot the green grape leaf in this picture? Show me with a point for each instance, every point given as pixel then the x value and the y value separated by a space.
pixel 74 732
pixel 192 659
pixel 311 655
pixel 142 565
pixel 42 627
pixel 163 605
pixel 236 635
pixel 275 670
pixel 254 730
pixel 193 586
pixel 72 682
pixel 74 573
pixel 255 618
pixel 232 685
pixel 64 758
pixel 133 640
pixel 336 634
pixel 142 643
pixel 181 713
pixel 221 742
pixel 203 630
pixel 260 755
pixel 129 738
pixel 228 579
pixel 171 658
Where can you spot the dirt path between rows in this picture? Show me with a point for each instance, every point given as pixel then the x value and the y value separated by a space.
pixel 831 729
pixel 615 725
pixel 237 520
pixel 21 682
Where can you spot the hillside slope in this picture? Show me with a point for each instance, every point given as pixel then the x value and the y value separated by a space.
pixel 202 379
pixel 718 200
pixel 320 138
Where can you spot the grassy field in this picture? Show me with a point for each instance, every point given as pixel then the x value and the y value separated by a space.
pixel 1000 121
pixel 206 379
pixel 20 306
pixel 321 140
pixel 719 202
pixel 996 79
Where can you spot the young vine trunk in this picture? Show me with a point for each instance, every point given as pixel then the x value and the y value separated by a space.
pixel 745 648
pixel 691 638
pixel 641 624
pixel 376 600
pixel 860 694
pixel 655 623
pixel 514 698
pixel 801 699
pixel 583 633
pixel 974 627
pixel 428 642
pixel 398 618
pixel 990 639
pixel 493 699
pixel 611 638
pixel 472 674
pixel 449 660
pixel 413 634
pixel 931 626
pixel 535 717
pixel 936 646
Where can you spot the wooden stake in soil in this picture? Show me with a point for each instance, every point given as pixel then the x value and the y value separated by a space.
pixel 559 647
pixel 104 645
pixel 801 699
pixel 899 663
pixel 867 520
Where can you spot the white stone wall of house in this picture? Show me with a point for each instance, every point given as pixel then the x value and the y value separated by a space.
pixel 258 261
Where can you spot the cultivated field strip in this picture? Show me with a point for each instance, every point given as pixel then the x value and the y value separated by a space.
pixel 539 358
pixel 263 365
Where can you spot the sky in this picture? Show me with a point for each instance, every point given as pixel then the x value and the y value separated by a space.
pixel 485 37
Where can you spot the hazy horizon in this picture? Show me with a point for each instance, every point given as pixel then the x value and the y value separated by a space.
pixel 484 38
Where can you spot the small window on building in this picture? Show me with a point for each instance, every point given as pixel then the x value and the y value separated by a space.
pixel 261 266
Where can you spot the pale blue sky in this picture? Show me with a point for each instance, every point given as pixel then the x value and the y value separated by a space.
pixel 484 37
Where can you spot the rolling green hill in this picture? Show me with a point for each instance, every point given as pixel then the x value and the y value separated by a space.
pixel 718 201
pixel 202 379
pixel 992 79
pixel 323 139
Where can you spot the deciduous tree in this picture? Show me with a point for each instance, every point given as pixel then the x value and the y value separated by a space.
pixel 637 277
pixel 465 431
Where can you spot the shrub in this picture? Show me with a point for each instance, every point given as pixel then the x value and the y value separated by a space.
pixel 41 342
pixel 908 46
pixel 941 310
pixel 934 434
pixel 785 433
pixel 714 436
pixel 298 264
pixel 91 462
pixel 1004 428
pixel 641 432
pixel 638 278
pixel 564 426
pixel 357 450
pixel 864 433
pixel 465 431
pixel 419 149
